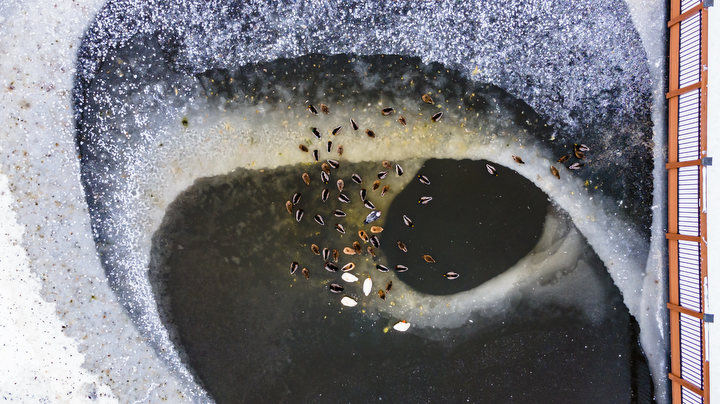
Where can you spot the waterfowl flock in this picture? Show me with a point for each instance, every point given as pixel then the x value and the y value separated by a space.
pixel 368 238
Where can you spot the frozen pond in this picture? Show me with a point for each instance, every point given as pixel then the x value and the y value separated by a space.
pixel 188 122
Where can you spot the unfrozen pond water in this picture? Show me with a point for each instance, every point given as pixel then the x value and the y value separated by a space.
pixel 255 332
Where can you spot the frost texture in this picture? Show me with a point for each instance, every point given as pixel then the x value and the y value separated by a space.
pixel 579 64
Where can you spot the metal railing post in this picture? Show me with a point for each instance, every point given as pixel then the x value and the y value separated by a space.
pixel 687 221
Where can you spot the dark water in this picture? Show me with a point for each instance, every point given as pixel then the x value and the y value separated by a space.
pixel 252 332
pixel 477 224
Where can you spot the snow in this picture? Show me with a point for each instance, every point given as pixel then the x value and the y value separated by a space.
pixel 649 17
pixel 38 362
pixel 38 44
